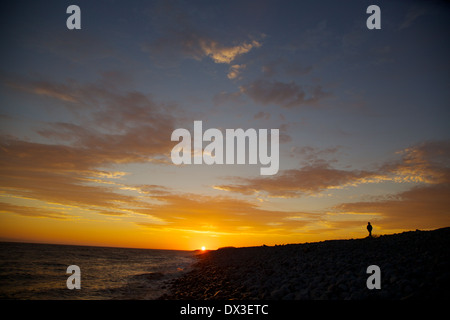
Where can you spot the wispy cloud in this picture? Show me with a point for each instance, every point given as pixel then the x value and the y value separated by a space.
pixel 225 54
pixel 424 163
pixel 108 126
pixel 286 95
pixel 224 214
pixel 181 38
pixel 122 127
pixel 235 71
pixel 198 47
pixel 427 162
pixel 413 14
pixel 55 173
pixel 308 180
pixel 420 207
pixel 32 211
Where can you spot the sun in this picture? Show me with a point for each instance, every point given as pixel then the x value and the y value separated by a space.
pixel 203 248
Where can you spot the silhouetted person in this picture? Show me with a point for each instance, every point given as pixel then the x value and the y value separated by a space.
pixel 369 228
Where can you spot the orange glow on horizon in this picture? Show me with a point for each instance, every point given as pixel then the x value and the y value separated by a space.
pixel 183 222
pixel 125 234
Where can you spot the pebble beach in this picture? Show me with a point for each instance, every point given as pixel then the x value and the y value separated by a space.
pixel 413 265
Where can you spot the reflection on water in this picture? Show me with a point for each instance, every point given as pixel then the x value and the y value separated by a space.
pixel 38 271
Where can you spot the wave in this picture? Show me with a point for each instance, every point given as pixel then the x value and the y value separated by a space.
pixel 39 271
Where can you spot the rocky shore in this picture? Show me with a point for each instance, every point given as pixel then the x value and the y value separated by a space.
pixel 414 265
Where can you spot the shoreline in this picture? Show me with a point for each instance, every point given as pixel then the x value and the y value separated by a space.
pixel 413 265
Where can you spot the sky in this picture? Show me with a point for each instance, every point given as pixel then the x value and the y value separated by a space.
pixel 86 118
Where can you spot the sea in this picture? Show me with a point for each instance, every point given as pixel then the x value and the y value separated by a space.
pixel 30 271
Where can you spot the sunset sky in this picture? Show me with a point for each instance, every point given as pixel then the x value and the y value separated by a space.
pixel 86 118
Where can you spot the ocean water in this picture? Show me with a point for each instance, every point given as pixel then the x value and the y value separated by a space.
pixel 38 271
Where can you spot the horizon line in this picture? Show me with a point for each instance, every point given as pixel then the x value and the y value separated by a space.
pixel 6 240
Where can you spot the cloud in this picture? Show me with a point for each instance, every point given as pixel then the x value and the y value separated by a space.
pixel 427 162
pixel 423 206
pixel 114 126
pixel 308 180
pixel 412 14
pixel 31 211
pixel 67 176
pixel 121 126
pixel 287 95
pixel 108 126
pixel 423 163
pixel 55 173
pixel 181 37
pixel 235 71
pixel 42 88
pixel 198 47
pixel 420 207
pixel 225 54
pixel 223 215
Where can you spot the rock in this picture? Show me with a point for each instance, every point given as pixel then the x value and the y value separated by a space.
pixel 277 294
pixel 413 265
pixel 392 279
pixel 289 296
pixel 343 287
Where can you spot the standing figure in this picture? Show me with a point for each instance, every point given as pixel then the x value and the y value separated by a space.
pixel 369 228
